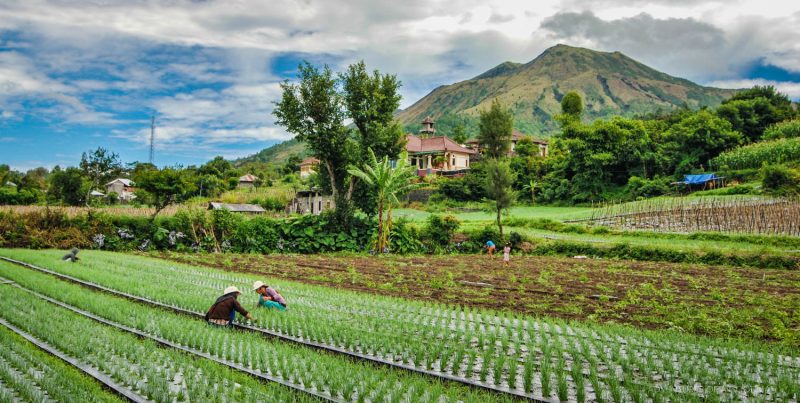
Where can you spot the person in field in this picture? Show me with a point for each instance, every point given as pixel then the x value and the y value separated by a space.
pixel 489 246
pixel 268 297
pixel 225 307
pixel 506 254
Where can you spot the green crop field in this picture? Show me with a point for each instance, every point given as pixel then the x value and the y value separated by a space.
pixel 340 345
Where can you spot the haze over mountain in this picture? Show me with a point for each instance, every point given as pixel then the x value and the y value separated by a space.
pixel 610 83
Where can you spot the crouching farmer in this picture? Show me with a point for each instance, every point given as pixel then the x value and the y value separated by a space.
pixel 268 297
pixel 225 307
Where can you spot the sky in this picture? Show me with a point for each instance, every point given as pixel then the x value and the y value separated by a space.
pixel 77 75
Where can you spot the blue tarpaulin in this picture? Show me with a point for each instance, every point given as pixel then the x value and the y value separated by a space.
pixel 699 179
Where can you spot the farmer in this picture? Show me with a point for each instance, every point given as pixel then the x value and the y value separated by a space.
pixel 268 297
pixel 506 254
pixel 489 247
pixel 225 307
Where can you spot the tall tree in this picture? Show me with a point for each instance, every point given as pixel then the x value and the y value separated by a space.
pixel 572 105
pixel 99 166
pixel 459 134
pixel 496 126
pixel 751 111
pixel 371 101
pixel 387 183
pixel 499 179
pixel 68 186
pixel 313 110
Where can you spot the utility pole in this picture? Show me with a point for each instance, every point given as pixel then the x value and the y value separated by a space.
pixel 152 136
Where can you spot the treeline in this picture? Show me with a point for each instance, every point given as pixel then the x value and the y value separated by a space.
pixel 72 186
pixel 630 158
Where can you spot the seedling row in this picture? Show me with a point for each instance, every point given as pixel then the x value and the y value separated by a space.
pixel 547 359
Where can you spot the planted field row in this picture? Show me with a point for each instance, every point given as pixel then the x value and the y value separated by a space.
pixel 540 358
pixel 338 379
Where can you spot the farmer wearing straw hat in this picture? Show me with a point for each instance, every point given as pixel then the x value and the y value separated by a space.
pixel 225 307
pixel 268 297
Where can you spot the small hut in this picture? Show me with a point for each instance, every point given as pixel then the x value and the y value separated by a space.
pixel 247 181
pixel 310 201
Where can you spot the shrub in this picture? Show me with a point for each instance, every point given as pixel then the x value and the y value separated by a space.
pixel 641 187
pixel 783 130
pixel 780 180
pixel 439 231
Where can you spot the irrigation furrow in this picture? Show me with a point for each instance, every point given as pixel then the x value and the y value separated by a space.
pixel 281 336
pixel 170 344
pixel 88 370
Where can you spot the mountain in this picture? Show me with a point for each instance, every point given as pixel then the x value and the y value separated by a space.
pixel 610 83
pixel 277 153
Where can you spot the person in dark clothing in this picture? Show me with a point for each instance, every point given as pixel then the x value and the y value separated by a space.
pixel 225 307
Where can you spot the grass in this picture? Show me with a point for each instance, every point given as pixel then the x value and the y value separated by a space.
pixel 422 332
pixel 486 217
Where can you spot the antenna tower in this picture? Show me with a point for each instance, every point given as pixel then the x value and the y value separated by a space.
pixel 152 136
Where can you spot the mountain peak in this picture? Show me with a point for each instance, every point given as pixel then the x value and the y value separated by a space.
pixel 610 83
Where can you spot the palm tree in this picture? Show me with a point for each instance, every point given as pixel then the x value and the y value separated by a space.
pixel 531 187
pixel 387 183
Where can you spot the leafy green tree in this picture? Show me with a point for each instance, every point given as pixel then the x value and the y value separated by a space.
pixel 460 134
pixel 292 164
pixel 572 105
pixel 99 166
pixel 387 183
pixel 164 187
pixel 68 186
pixel 371 101
pixel 751 111
pixel 219 167
pixel 499 179
pixel 34 180
pixel 694 140
pixel 495 130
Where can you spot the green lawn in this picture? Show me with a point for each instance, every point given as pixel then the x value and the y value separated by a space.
pixel 553 213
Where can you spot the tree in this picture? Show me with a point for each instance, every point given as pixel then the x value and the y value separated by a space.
pixel 695 139
pixel 371 101
pixel 219 167
pixel 315 109
pixel 68 186
pixel 572 105
pixel 164 187
pixel 99 166
pixel 496 126
pixel 751 111
pixel 531 187
pixel 387 184
pixel 499 179
pixel 459 134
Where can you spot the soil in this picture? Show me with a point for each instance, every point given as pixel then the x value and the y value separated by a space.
pixel 709 300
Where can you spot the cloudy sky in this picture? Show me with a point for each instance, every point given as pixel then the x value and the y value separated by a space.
pixel 75 75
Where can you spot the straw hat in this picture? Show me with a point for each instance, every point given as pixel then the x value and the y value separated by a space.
pixel 231 289
pixel 257 285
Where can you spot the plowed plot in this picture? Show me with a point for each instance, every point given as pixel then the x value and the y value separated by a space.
pixel 718 301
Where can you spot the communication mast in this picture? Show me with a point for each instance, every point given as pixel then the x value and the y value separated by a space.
pixel 152 136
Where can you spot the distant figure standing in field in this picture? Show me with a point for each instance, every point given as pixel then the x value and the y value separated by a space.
pixel 268 297
pixel 72 256
pixel 506 254
pixel 225 307
pixel 489 247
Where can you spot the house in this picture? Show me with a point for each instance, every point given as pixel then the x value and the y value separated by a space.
pixel 308 166
pixel 237 208
pixel 310 201
pixel 247 181
pixel 516 136
pixel 441 155
pixel 124 189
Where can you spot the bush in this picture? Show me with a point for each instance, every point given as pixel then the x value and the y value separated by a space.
pixel 439 231
pixel 783 130
pixel 641 187
pixel 779 180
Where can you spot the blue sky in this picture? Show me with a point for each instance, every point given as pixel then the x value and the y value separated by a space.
pixel 79 75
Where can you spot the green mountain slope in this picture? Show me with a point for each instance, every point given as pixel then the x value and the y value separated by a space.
pixel 610 84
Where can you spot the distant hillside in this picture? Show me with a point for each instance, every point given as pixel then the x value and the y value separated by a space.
pixel 275 154
pixel 610 83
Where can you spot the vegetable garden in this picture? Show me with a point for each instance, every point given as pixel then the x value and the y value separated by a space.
pixel 144 332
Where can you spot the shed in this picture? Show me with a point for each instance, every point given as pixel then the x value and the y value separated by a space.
pixel 707 181
pixel 237 208
pixel 247 181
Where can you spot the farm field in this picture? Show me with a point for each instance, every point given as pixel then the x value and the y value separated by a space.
pixel 747 303
pixel 504 355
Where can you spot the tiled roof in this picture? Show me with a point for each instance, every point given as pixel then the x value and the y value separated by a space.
pixel 248 178
pixel 309 161
pixel 415 144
